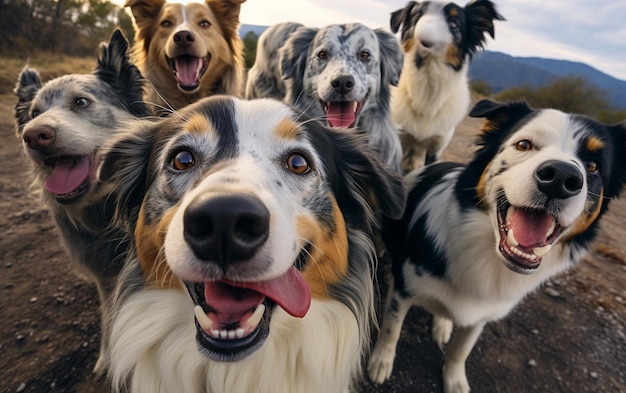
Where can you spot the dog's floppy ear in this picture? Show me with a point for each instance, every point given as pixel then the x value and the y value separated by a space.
pixel 401 19
pixel 126 165
pixel 115 69
pixel 618 178
pixel 294 53
pixel 391 57
pixel 357 174
pixel 499 115
pixel 28 84
pixel 480 17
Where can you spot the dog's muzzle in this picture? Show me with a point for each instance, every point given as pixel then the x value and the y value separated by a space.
pixel 233 317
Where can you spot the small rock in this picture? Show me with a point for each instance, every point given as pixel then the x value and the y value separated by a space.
pixel 33 299
pixel 552 292
pixel 20 388
pixel 594 375
pixel 8 265
pixel 532 362
pixel 535 332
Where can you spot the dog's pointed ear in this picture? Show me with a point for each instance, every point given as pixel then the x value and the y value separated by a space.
pixel 126 165
pixel 144 13
pixel 115 69
pixel 294 53
pixel 28 84
pixel 497 113
pixel 401 20
pixel 357 174
pixel 227 13
pixel 480 17
pixel 391 57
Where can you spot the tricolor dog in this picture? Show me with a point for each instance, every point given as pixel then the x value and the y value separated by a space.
pixel 433 95
pixel 253 261
pixel 476 238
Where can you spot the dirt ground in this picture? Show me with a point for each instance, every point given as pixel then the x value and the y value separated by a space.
pixel 568 336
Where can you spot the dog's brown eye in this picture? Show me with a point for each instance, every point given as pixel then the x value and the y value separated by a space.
pixel 166 23
pixel 322 55
pixel 298 164
pixel 364 55
pixel 592 166
pixel 204 24
pixel 82 102
pixel 35 113
pixel 183 160
pixel 524 145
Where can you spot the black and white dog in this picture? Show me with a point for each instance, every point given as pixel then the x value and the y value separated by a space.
pixel 341 73
pixel 257 221
pixel 476 238
pixel 433 96
pixel 63 125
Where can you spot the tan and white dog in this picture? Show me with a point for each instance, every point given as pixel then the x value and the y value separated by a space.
pixel 188 51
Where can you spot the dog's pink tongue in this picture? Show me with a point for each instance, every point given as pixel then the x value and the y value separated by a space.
pixel 67 175
pixel 290 291
pixel 340 113
pixel 187 68
pixel 530 228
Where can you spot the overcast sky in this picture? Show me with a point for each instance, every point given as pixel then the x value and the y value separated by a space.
pixel 588 31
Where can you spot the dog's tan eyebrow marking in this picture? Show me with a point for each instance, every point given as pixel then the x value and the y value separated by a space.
pixel 452 56
pixel 198 123
pixel 408 45
pixel 594 144
pixel 287 129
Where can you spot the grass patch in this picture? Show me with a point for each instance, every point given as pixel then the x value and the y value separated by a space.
pixel 49 66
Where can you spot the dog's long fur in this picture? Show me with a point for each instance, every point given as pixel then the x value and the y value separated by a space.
pixel 476 238
pixel 236 193
pixel 342 67
pixel 433 96
pixel 188 51
pixel 67 120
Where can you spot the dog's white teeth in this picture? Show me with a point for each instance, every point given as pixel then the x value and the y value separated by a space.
pixel 355 106
pixel 509 214
pixel 255 318
pixel 205 322
pixel 541 251
pixel 510 239
pixel 239 333
pixel 223 333
pixel 551 229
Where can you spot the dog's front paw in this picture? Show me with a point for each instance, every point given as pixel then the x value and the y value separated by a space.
pixel 454 378
pixel 441 331
pixel 381 363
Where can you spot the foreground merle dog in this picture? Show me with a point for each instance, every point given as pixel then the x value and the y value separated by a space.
pixel 341 73
pixel 253 263
pixel 476 238
pixel 63 125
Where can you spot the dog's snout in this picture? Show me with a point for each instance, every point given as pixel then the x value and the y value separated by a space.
pixel 226 229
pixel 184 38
pixel 558 179
pixel 343 84
pixel 39 138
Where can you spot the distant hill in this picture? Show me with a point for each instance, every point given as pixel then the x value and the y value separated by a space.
pixel 245 29
pixel 502 71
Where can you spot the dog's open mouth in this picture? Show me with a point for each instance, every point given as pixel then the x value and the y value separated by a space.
pixel 188 70
pixel 233 318
pixel 69 179
pixel 526 235
pixel 343 113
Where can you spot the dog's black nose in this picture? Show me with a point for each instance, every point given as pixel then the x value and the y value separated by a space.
pixel 183 38
pixel 226 229
pixel 558 179
pixel 343 84
pixel 39 138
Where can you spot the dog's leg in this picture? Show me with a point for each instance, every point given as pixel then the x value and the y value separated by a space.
pixel 454 378
pixel 441 330
pixel 382 357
